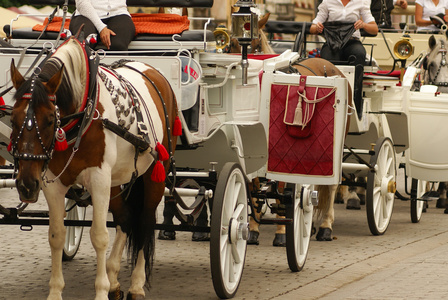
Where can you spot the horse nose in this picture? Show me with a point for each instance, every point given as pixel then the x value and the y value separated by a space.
pixel 28 190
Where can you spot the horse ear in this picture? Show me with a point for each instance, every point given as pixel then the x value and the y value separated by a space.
pixel 53 84
pixel 432 42
pixel 263 20
pixel 16 78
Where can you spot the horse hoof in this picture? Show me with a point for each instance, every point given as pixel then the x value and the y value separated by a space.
pixel 279 240
pixel 135 297
pixel 116 295
pixel 167 235
pixel 339 199
pixel 200 237
pixel 445 211
pixel 253 238
pixel 441 203
pixel 353 204
pixel 324 234
pixel 362 199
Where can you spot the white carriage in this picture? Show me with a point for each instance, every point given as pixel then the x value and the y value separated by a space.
pixel 234 131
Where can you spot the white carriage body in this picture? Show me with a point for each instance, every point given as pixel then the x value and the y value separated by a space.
pixel 426 157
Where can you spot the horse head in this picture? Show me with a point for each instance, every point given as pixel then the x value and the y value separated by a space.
pixel 34 122
pixel 436 63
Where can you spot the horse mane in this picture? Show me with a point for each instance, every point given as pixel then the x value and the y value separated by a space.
pixel 70 93
pixel 265 46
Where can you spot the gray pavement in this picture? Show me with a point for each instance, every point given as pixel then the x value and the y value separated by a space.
pixel 408 262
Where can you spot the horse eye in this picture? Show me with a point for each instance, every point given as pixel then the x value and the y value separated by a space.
pixel 50 121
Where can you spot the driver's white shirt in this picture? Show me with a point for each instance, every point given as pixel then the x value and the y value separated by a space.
pixel 334 10
pixel 95 10
pixel 429 10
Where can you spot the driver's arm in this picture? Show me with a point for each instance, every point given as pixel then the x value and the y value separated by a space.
pixel 370 27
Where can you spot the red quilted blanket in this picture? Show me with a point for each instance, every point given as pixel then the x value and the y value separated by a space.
pixel 295 152
pixel 144 23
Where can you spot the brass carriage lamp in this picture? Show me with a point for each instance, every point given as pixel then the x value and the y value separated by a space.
pixel 245 29
pixel 403 49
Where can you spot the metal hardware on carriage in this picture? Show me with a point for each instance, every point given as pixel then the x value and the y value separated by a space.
pixel 245 30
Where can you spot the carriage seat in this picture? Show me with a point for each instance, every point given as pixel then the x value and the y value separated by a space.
pixel 301 30
pixel 185 36
pixel 141 41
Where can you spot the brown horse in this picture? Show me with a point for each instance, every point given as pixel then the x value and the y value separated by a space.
pixel 65 133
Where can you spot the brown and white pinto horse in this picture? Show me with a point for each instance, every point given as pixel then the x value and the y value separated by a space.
pixel 99 160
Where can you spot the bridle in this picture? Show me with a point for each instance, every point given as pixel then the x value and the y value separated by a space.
pixel 443 63
pixel 29 122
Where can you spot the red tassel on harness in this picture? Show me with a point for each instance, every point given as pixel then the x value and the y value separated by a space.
pixel 9 147
pixel 61 142
pixel 177 128
pixel 161 150
pixel 158 173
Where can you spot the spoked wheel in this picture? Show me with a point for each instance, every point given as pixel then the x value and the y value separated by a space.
pixel 298 233
pixel 74 233
pixel 229 230
pixel 381 186
pixel 417 204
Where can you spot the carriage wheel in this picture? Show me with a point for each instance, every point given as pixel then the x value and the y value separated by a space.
pixel 74 233
pixel 417 204
pixel 298 233
pixel 381 186
pixel 229 230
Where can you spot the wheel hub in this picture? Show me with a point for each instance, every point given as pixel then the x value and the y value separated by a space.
pixel 238 231
pixel 388 185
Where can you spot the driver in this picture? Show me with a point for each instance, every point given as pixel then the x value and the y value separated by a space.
pixel 356 15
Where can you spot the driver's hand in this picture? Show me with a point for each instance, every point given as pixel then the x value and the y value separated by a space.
pixel 359 24
pixel 319 27
pixel 105 36
pixel 402 3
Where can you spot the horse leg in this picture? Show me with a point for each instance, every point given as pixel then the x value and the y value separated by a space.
pixel 99 188
pixel 168 214
pixel 326 211
pixel 119 211
pixel 202 220
pixel 442 202
pixel 361 190
pixel 56 237
pixel 353 201
pixel 254 230
pixel 340 194
pixel 280 233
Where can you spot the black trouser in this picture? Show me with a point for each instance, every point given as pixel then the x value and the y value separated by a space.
pixel 122 25
pixel 355 53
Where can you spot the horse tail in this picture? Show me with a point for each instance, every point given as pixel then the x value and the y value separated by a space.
pixel 142 220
